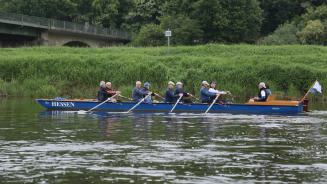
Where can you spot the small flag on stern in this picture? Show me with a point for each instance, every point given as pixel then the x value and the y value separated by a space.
pixel 316 88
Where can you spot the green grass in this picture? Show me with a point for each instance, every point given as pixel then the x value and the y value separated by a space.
pixel 76 72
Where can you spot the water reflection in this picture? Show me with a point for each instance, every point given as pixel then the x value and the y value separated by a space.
pixel 68 147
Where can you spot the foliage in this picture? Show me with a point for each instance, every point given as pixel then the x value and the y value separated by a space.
pixel 185 30
pixel 278 12
pixel 150 35
pixel 76 72
pixel 313 33
pixel 285 34
pixel 310 28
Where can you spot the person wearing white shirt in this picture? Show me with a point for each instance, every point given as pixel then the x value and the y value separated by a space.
pixel 213 89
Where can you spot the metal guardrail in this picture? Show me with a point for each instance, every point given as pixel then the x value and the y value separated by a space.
pixel 52 24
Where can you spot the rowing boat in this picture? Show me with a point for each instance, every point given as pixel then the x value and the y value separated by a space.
pixel 277 107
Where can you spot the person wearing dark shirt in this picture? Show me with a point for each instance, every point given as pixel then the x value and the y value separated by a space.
pixel 138 93
pixel 205 95
pixel 102 93
pixel 263 93
pixel 146 91
pixel 111 92
pixel 180 91
pixel 170 96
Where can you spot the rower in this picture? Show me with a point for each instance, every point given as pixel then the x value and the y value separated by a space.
pixel 146 91
pixel 205 95
pixel 102 93
pixel 137 93
pixel 262 95
pixel 170 97
pixel 213 89
pixel 180 91
pixel 111 92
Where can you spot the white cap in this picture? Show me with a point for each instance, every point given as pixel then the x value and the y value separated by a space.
pixel 179 83
pixel 171 83
pixel 102 83
pixel 205 83
pixel 262 85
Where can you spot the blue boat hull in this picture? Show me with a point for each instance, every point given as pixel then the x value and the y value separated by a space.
pixel 166 107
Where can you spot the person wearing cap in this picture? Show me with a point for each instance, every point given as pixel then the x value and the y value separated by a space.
pixel 180 91
pixel 146 91
pixel 170 96
pixel 263 93
pixel 111 92
pixel 102 93
pixel 205 95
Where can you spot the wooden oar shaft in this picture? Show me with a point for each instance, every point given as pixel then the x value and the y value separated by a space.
pixel 179 99
pixel 102 103
pixel 214 101
pixel 138 103
pixel 125 97
pixel 307 92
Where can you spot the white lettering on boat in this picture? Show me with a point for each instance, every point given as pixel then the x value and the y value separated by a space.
pixel 63 104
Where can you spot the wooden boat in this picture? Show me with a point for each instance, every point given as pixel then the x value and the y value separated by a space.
pixel 278 107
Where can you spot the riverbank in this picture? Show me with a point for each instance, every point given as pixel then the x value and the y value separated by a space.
pixel 76 72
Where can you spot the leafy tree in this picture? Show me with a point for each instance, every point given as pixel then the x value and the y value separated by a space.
pixel 110 13
pixel 58 9
pixel 285 34
pixel 244 21
pixel 150 35
pixel 277 12
pixel 143 12
pixel 185 30
pixel 212 17
pixel 313 33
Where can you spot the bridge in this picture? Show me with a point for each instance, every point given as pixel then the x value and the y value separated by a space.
pixel 23 30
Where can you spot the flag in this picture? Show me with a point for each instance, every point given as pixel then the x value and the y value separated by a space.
pixel 316 88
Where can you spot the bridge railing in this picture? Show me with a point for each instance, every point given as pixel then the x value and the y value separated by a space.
pixel 53 24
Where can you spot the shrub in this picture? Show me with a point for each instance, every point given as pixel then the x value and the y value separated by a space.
pixel 284 34
pixel 150 35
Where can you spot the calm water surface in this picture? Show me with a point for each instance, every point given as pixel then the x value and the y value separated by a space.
pixel 65 147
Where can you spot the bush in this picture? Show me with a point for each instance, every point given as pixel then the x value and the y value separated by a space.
pixel 284 35
pixel 185 31
pixel 150 35
pixel 76 72
pixel 313 33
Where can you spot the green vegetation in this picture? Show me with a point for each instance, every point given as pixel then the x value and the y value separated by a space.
pixel 76 72
pixel 191 21
pixel 310 28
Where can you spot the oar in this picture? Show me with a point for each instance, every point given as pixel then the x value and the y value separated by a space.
pixel 138 103
pixel 194 97
pixel 125 97
pixel 159 96
pixel 102 103
pixel 179 99
pixel 214 101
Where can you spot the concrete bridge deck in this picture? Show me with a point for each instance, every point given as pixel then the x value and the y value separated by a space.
pixel 56 32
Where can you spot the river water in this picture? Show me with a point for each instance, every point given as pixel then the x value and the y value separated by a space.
pixel 66 147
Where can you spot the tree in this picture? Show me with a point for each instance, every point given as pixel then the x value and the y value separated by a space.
pixel 244 21
pixel 185 30
pixel 150 35
pixel 212 18
pixel 143 12
pixel 110 13
pixel 57 9
pixel 285 34
pixel 313 33
pixel 277 12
